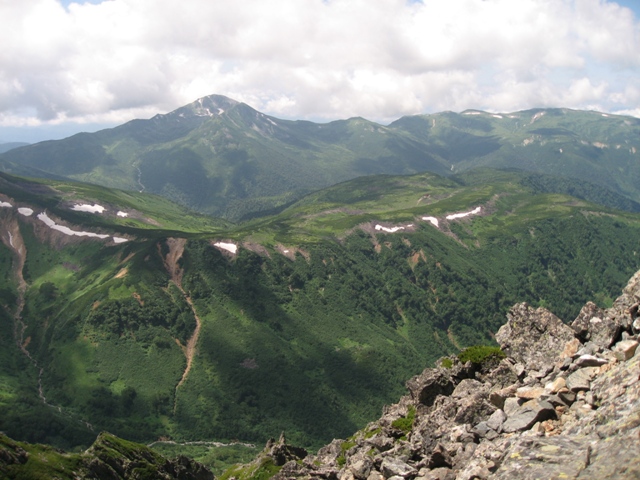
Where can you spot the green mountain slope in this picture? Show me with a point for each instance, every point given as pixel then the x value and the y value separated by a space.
pixel 307 321
pixel 585 145
pixel 5 147
pixel 223 158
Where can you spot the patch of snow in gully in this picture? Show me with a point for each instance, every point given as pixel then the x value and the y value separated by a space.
pixel 27 212
pixel 95 208
pixel 230 247
pixel 66 230
pixel 453 216
pixel 433 220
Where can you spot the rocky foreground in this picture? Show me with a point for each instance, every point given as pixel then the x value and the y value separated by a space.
pixel 563 404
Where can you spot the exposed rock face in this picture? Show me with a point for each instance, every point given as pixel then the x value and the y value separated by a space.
pixel 533 336
pixel 565 403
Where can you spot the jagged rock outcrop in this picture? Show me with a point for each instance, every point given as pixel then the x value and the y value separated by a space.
pixel 564 403
pixel 109 458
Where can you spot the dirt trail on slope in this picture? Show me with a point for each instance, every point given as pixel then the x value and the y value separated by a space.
pixel 190 348
pixel 176 249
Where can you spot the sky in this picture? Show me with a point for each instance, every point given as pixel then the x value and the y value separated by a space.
pixel 72 65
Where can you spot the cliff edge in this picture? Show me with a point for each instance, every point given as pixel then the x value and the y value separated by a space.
pixel 563 402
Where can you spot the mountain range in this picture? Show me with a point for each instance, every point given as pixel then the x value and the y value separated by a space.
pixel 221 157
pixel 131 312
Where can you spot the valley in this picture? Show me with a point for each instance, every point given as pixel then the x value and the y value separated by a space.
pixel 307 321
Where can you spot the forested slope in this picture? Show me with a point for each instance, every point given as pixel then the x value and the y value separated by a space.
pixel 310 326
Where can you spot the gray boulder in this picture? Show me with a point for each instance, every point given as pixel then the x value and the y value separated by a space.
pixel 592 324
pixel 581 379
pixel 392 467
pixel 534 337
pixel 527 415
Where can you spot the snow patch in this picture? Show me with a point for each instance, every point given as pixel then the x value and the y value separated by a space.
pixel 471 113
pixel 496 116
pixel 433 220
pixel 230 247
pixel 453 216
pixel 122 214
pixel 95 208
pixel 27 212
pixel 388 230
pixel 203 111
pixel 604 114
pixel 120 240
pixel 5 204
pixel 66 230
pixel 537 116
pixel 11 240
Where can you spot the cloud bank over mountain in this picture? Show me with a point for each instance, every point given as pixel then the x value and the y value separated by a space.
pixel 108 62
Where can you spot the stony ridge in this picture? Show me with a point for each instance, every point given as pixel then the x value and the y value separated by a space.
pixel 563 404
pixel 109 458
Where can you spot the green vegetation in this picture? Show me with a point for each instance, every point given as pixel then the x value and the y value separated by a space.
pixel 480 354
pixel 311 333
pixel 217 459
pixel 261 470
pixel 405 424
pixel 446 362
pixel 344 448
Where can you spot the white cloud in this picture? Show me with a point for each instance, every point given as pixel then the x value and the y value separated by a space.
pixel 318 59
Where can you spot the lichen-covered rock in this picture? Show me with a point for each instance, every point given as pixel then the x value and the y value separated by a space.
pixel 549 458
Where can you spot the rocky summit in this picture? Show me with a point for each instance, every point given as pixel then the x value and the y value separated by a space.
pixel 563 402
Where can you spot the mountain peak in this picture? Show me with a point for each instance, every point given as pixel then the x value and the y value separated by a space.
pixel 209 106
pixel 212 105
